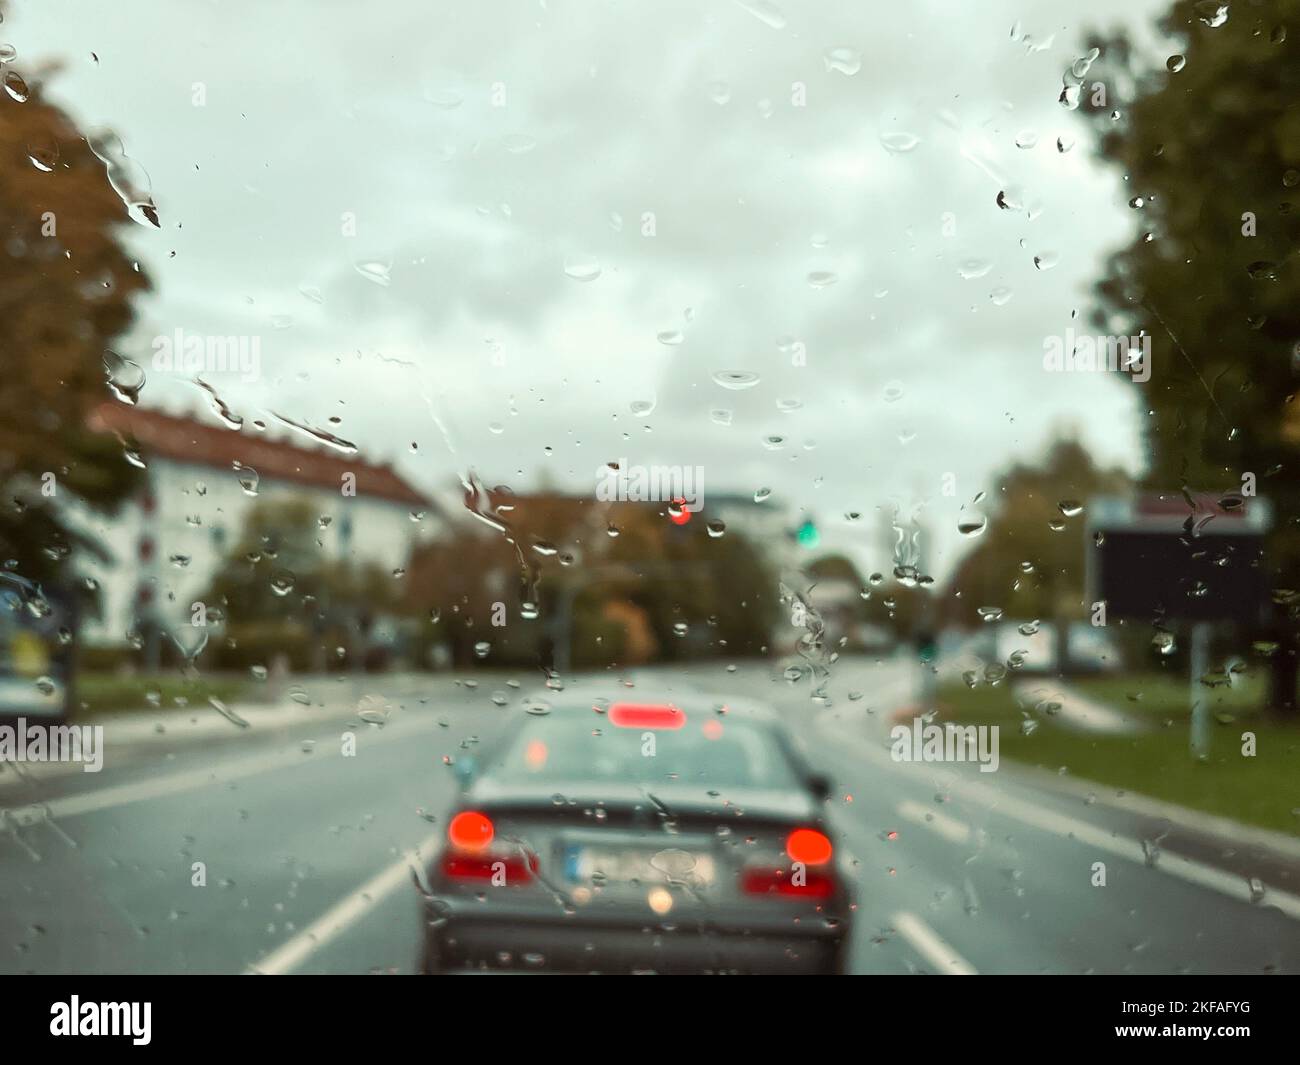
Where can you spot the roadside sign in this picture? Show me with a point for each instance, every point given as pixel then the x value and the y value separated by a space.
pixel 1195 559
pixel 1159 557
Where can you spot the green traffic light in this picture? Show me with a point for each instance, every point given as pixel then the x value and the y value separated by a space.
pixel 808 536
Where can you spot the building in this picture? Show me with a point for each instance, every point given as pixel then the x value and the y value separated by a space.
pixel 201 482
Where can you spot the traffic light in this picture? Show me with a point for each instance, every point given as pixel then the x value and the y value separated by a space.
pixel 926 647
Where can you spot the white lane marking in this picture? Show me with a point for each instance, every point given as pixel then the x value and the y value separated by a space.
pixel 136 740
pixel 1236 887
pixel 949 828
pixel 926 942
pixel 159 787
pixel 342 915
pixel 1229 884
pixel 1133 802
pixel 87 802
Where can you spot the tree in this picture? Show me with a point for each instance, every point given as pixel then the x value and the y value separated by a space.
pixel 557 552
pixel 275 586
pixel 1029 560
pixel 833 568
pixel 66 286
pixel 1210 149
pixel 454 583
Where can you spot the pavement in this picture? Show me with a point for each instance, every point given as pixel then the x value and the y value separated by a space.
pixel 1077 711
pixel 272 849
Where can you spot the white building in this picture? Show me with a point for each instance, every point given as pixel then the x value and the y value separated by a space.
pixel 167 543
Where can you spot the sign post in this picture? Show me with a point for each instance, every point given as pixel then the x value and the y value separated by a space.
pixel 1179 558
pixel 1198 653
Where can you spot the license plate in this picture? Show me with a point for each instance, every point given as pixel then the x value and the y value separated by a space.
pixel 583 864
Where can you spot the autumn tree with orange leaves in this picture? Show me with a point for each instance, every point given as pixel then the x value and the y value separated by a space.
pixel 66 291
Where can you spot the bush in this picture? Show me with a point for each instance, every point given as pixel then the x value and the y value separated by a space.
pixel 256 643
pixel 108 658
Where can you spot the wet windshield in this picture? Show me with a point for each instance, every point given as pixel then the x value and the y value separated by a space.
pixel 714 753
pixel 378 378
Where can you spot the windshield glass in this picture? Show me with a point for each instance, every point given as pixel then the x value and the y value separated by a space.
pixel 381 379
pixel 713 752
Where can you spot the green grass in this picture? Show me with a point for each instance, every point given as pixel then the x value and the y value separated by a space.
pixel 1161 697
pixel 1263 790
pixel 107 693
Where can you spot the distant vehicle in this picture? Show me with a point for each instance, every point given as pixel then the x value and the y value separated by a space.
pixel 36 661
pixel 641 837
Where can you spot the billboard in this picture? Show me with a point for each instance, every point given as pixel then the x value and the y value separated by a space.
pixel 1185 559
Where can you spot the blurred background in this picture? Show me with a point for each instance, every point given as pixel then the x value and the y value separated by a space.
pixel 321 334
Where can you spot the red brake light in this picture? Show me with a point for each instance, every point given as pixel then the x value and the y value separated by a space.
pixel 470 831
pixel 808 846
pixel 472 856
pixel 646 715
pixel 514 868
pixel 812 884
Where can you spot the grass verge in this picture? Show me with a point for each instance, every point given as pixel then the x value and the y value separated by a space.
pixel 1261 790
pixel 98 694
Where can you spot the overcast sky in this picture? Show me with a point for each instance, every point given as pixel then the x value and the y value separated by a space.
pixel 479 214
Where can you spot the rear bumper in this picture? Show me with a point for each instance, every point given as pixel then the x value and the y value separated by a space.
pixel 482 943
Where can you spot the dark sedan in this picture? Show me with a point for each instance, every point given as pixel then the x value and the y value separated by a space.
pixel 626 836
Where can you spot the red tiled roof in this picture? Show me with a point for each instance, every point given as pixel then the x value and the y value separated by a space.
pixel 185 440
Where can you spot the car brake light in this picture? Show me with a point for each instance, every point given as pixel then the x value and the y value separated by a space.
pixel 470 831
pixel 805 883
pixel 808 846
pixel 646 715
pixel 471 854
pixel 513 869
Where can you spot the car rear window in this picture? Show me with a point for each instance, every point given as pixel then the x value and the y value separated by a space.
pixel 713 751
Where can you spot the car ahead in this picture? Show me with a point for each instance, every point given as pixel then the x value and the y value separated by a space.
pixel 622 836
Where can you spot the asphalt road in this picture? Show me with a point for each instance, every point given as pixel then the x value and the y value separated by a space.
pixel 306 851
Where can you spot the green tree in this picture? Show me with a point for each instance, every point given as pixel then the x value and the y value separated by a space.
pixel 277 583
pixel 1030 558
pixel 1209 146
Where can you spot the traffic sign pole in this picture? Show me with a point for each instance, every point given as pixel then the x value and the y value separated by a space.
pixel 1198 655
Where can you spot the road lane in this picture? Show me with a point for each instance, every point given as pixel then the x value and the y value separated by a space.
pixel 986 870
pixel 280 845
pixel 1018 897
